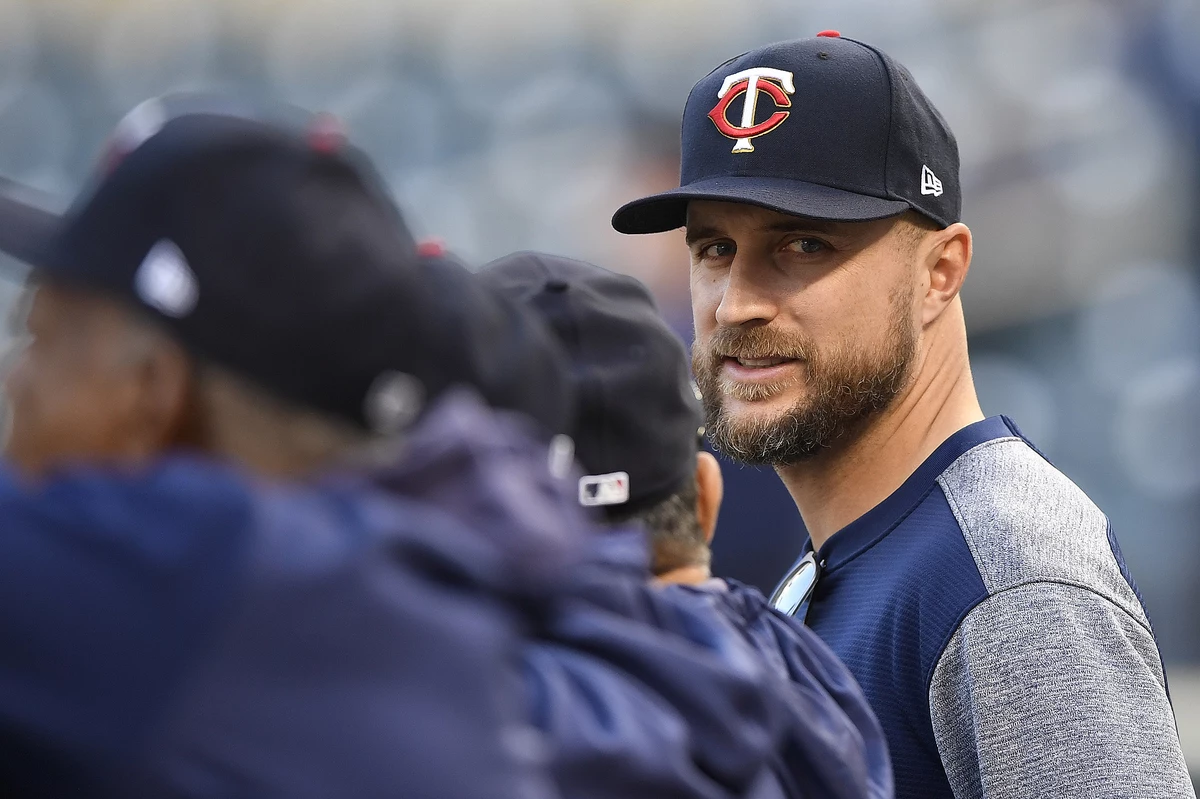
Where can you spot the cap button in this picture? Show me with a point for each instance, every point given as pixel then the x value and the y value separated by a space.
pixel 326 134
pixel 431 248
pixel 830 34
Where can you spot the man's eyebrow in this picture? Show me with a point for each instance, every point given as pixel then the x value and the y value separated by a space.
pixel 697 232
pixel 792 225
pixel 799 225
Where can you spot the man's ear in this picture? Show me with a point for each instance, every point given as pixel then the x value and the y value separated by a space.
pixel 710 490
pixel 946 255
pixel 164 376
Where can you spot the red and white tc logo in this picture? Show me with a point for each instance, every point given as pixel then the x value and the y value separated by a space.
pixel 774 82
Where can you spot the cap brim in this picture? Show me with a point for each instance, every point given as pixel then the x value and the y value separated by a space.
pixel 27 227
pixel 668 210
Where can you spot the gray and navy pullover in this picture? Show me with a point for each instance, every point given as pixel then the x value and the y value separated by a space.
pixel 988 615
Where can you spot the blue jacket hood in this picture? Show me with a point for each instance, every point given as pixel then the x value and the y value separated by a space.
pixel 447 624
pixel 487 474
pixel 644 690
pixel 639 691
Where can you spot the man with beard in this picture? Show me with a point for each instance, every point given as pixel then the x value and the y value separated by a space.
pixel 978 596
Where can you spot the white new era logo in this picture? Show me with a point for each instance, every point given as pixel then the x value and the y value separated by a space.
pixel 165 281
pixel 929 182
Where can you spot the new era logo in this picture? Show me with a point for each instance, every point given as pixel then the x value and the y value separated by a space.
pixel 165 281
pixel 929 182
pixel 604 489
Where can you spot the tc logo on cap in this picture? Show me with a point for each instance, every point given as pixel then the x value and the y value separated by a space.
pixel 774 82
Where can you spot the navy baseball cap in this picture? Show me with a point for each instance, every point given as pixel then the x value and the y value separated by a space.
pixel 495 344
pixel 826 128
pixel 266 243
pixel 639 419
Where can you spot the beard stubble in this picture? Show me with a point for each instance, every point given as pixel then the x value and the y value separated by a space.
pixel 847 386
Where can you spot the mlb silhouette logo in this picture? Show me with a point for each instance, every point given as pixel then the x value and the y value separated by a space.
pixel 604 489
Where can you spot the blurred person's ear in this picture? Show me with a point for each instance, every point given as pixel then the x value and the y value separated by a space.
pixel 710 490
pixel 944 258
pixel 161 394
pixel 147 390
pixel 94 383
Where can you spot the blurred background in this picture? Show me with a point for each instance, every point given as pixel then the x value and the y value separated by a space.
pixel 522 124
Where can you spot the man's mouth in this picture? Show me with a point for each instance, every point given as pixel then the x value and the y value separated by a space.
pixel 760 363
pixel 758 370
pixel 750 379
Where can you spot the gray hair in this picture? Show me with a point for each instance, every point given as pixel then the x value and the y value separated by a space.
pixel 676 538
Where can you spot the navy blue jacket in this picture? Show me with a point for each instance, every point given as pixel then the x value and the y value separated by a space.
pixel 444 625
pixel 659 691
pixel 644 692
pixel 638 692
pixel 190 631
pixel 834 747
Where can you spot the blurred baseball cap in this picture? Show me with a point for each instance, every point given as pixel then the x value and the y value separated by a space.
pixel 264 242
pixel 498 346
pixel 825 128
pixel 639 419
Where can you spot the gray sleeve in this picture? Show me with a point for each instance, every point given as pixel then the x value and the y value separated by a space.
pixel 1050 690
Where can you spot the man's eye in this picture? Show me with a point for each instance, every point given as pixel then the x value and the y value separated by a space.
pixel 720 249
pixel 808 246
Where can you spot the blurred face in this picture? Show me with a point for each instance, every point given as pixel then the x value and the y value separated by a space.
pixel 76 391
pixel 805 330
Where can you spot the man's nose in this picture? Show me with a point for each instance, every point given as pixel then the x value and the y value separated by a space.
pixel 745 299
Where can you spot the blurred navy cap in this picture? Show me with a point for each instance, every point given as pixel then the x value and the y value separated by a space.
pixel 639 420
pixel 500 348
pixel 825 128
pixel 266 243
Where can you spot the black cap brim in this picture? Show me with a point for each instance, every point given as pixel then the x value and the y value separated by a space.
pixel 27 228
pixel 668 210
